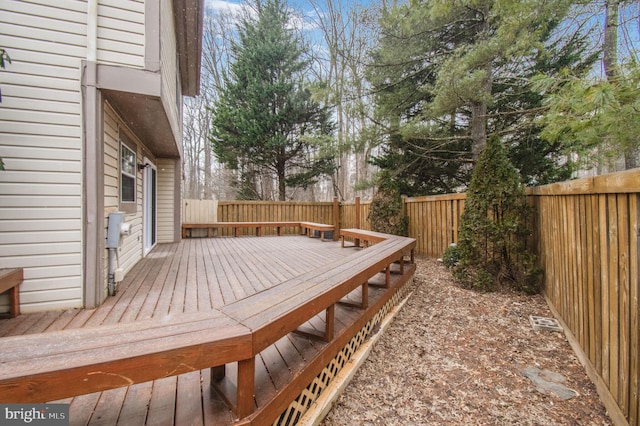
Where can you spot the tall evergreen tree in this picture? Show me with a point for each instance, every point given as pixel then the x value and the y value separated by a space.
pixel 266 118
pixel 448 74
pixel 596 119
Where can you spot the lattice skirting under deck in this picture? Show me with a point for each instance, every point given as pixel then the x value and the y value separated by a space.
pixel 323 380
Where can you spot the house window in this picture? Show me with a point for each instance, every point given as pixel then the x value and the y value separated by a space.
pixel 127 178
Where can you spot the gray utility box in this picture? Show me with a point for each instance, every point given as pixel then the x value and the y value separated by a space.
pixel 116 228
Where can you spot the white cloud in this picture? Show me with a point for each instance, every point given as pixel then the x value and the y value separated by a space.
pixel 301 20
pixel 223 5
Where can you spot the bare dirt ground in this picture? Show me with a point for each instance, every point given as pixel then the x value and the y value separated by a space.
pixel 453 356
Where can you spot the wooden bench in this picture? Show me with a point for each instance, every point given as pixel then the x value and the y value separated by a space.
pixel 306 228
pixel 10 280
pixel 236 226
pixel 360 234
pixel 321 228
pixel 50 366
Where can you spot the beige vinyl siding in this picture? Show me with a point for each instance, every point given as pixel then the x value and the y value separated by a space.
pixel 121 33
pixel 131 250
pixel 166 196
pixel 111 196
pixel 40 143
pixel 73 11
pixel 111 152
pixel 168 68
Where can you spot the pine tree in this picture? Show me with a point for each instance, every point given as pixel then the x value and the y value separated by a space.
pixel 595 119
pixel 444 82
pixel 266 115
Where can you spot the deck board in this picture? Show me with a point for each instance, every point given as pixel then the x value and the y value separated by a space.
pixel 134 407
pixel 189 400
pixel 82 407
pixel 162 405
pixel 198 275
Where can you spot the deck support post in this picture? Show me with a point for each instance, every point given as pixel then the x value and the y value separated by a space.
pixel 329 328
pixel 357 240
pixel 246 386
pixel 218 373
pixel 387 276
pixel 365 295
pixel 336 219
pixel 330 317
pixel 364 304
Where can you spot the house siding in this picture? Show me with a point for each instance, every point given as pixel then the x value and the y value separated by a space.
pixel 131 249
pixel 169 69
pixel 58 131
pixel 121 33
pixel 40 129
pixel 167 174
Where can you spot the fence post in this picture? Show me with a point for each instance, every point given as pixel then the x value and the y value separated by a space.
pixel 357 240
pixel 336 218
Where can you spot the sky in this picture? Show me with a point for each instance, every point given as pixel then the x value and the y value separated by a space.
pixel 302 9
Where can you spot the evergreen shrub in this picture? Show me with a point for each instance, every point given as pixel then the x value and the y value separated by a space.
pixel 386 213
pixel 495 227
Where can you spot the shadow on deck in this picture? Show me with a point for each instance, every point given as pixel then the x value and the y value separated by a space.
pixel 290 370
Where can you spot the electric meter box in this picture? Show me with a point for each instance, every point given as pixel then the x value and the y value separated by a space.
pixel 116 228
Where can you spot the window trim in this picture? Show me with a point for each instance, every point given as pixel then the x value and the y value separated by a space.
pixel 126 142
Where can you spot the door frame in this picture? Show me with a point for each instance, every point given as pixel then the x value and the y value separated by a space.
pixel 149 206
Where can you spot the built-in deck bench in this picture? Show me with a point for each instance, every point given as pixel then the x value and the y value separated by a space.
pixel 279 310
pixel 50 366
pixel 358 235
pixel 10 280
pixel 311 227
pixel 306 228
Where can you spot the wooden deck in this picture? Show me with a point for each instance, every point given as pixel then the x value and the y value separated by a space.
pixel 198 275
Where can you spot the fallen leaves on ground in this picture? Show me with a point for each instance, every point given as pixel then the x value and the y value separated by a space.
pixel 454 356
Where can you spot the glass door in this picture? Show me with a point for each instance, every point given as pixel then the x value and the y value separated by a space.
pixel 150 178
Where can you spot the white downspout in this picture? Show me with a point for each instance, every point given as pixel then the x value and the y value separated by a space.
pixel 92 30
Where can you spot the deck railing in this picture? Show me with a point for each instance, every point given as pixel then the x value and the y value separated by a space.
pixel 586 237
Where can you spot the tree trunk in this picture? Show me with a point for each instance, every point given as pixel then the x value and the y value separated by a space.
pixel 479 109
pixel 282 188
pixel 610 61
pixel 478 129
pixel 610 48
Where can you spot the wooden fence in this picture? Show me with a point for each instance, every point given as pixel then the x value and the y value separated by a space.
pixel 258 211
pixel 586 234
pixel 433 221
pixel 354 215
pixel 586 237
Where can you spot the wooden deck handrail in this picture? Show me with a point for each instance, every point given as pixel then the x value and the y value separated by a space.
pixel 55 365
